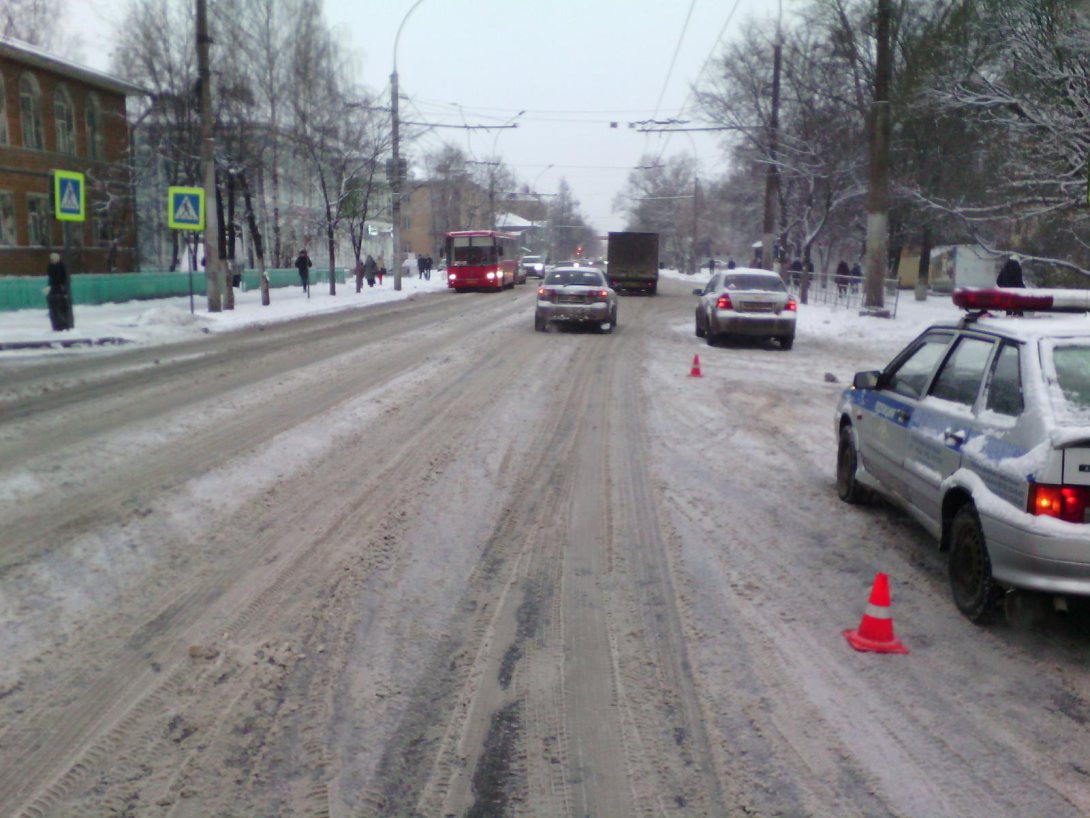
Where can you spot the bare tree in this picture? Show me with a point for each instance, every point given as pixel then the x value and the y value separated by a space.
pixel 167 137
pixel 32 21
pixel 659 198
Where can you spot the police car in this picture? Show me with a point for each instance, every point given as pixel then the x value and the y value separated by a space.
pixel 981 431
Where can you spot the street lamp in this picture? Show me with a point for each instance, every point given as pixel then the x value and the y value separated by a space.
pixel 535 194
pixel 395 176
pixel 494 163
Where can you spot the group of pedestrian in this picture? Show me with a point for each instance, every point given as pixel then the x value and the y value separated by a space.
pixel 370 269
pixel 423 267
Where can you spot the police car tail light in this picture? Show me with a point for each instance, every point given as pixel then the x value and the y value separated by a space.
pixel 1067 503
pixel 724 303
pixel 546 294
pixel 791 305
pixel 599 295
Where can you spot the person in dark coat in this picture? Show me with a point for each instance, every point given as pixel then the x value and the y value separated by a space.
pixel 711 265
pixel 796 271
pixel 303 265
pixel 370 270
pixel 60 295
pixel 842 277
pixel 1011 274
pixel 357 271
pixel 420 265
pixel 730 264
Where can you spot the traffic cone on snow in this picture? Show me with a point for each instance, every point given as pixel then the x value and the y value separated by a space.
pixel 875 631
pixel 695 371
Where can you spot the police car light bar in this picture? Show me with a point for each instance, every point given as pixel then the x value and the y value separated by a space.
pixel 1023 299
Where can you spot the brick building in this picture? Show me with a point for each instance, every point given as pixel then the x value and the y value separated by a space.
pixel 57 115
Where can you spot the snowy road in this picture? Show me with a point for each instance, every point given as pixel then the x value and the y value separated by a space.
pixel 421 560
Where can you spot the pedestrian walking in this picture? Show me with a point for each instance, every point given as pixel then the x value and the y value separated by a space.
pixel 427 267
pixel 1011 274
pixel 380 264
pixel 711 265
pixel 796 271
pixel 730 263
pixel 59 297
pixel 842 278
pixel 420 264
pixel 303 265
pixel 855 280
pixel 370 270
pixel 358 271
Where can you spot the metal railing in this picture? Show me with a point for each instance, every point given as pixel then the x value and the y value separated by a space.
pixel 847 292
pixel 28 292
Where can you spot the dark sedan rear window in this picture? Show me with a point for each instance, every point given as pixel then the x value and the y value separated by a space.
pixel 752 282
pixel 579 278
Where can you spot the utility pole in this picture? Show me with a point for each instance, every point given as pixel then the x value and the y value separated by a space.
pixel 395 176
pixel 208 163
pixel 877 253
pixel 694 265
pixel 772 177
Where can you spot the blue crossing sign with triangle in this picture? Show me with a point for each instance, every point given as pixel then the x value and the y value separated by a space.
pixel 68 196
pixel 185 208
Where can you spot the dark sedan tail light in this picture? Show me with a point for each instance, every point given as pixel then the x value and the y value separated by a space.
pixel 724 303
pixel 1067 503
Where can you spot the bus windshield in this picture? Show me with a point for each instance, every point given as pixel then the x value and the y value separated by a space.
pixel 473 250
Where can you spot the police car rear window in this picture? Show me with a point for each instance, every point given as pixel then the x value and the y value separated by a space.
pixel 744 281
pixel 1072 366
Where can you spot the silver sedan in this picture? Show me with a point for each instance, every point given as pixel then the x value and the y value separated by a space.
pixel 746 302
pixel 576 295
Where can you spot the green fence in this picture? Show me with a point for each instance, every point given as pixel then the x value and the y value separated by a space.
pixel 28 292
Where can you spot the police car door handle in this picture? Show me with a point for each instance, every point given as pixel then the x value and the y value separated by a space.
pixel 956 437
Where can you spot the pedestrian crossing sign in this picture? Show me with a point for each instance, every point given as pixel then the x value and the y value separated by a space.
pixel 68 196
pixel 185 208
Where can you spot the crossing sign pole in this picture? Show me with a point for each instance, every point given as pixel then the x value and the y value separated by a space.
pixel 68 196
pixel 185 211
pixel 185 208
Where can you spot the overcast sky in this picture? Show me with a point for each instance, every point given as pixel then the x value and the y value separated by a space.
pixel 573 66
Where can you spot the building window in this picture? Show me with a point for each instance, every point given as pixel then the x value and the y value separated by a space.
pixel 30 112
pixel 7 217
pixel 3 114
pixel 64 121
pixel 37 220
pixel 94 127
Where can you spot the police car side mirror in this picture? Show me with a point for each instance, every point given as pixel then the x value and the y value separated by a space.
pixel 698 291
pixel 866 380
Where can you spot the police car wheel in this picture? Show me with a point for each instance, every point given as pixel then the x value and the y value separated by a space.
pixel 847 464
pixel 975 592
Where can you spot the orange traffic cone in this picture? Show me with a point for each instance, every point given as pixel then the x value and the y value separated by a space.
pixel 875 632
pixel 695 371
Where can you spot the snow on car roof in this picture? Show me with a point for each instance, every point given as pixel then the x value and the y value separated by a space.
pixel 1035 326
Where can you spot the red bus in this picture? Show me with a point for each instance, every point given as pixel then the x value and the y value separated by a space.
pixel 481 259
